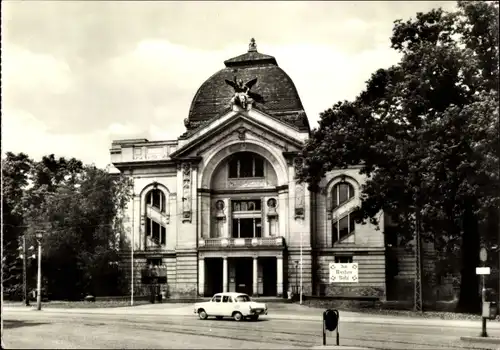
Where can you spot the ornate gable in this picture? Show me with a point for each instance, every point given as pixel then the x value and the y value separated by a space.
pixel 237 127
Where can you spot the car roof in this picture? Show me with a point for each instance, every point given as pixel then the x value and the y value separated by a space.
pixel 233 294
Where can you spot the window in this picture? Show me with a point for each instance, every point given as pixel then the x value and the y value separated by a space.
pixel 247 228
pixel 242 298
pixel 342 192
pixel 216 299
pixel 343 259
pixel 247 205
pixel 226 299
pixel 156 232
pixel 156 199
pixel 153 262
pixel 246 164
pixel 343 227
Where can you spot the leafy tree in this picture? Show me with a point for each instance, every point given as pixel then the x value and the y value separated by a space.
pixel 426 134
pixel 15 170
pixel 76 205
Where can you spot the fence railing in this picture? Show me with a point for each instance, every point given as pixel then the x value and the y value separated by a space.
pixel 241 242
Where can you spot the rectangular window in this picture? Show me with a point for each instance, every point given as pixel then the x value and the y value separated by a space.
pixel 246 228
pixel 235 228
pixel 343 193
pixel 343 259
pixel 259 167
pixel 258 227
pixel 156 233
pixel 163 238
pixel 233 168
pixel 246 167
pixel 247 205
pixel 225 299
pixel 217 298
pixel 154 261
pixel 335 232
pixel 343 227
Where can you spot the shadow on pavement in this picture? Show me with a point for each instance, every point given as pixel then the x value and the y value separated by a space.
pixel 10 324
pixel 230 319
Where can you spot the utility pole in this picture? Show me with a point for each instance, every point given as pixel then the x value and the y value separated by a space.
pixel 418 270
pixel 25 266
pixel 418 264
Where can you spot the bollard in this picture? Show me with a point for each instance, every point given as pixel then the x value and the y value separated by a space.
pixel 331 322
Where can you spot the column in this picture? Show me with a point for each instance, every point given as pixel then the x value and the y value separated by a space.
pixel 201 276
pixel 255 285
pixel 224 274
pixel 279 277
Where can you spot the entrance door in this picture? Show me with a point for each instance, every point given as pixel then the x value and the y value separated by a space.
pixel 213 276
pixel 243 275
pixel 269 276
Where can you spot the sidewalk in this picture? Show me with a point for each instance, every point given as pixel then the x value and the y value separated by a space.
pixel 283 311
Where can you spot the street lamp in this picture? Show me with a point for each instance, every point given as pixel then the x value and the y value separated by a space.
pixel 301 267
pixel 39 236
pixel 296 276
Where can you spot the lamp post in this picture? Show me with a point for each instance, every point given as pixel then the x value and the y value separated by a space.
pixel 25 265
pixel 301 267
pixel 296 276
pixel 39 236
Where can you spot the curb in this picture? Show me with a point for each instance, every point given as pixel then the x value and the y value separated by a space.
pixel 486 340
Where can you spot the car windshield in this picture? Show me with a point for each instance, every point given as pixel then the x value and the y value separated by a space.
pixel 242 298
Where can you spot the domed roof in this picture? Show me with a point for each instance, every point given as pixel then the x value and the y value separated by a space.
pixel 279 95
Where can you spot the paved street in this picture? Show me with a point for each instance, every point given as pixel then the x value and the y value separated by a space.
pixel 175 326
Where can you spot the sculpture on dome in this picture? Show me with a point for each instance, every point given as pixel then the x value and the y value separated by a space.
pixel 242 95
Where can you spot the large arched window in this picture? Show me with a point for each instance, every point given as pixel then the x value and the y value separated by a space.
pixel 246 164
pixel 155 211
pixel 343 225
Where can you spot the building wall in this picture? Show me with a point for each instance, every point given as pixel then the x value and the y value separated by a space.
pixel 304 220
pixel 366 245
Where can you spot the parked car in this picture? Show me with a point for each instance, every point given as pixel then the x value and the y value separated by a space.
pixel 236 305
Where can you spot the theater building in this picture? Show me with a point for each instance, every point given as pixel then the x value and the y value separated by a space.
pixel 219 208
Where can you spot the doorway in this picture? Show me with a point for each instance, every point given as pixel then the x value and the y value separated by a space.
pixel 269 276
pixel 213 276
pixel 243 275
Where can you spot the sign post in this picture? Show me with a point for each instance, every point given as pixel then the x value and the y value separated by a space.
pixel 331 320
pixel 483 271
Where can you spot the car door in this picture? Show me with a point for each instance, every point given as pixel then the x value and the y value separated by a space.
pixel 226 308
pixel 214 305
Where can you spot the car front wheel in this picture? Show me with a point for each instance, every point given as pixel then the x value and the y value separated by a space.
pixel 237 316
pixel 202 314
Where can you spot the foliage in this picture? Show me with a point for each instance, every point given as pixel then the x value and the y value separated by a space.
pixel 426 134
pixel 15 169
pixel 75 205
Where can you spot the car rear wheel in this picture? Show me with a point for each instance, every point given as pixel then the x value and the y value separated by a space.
pixel 202 314
pixel 238 316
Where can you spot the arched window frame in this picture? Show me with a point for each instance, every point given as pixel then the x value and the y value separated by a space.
pixel 145 199
pixel 331 209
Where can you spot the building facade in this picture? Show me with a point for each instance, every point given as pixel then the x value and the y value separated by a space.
pixel 219 208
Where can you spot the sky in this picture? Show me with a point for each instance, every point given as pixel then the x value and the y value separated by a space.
pixel 78 74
